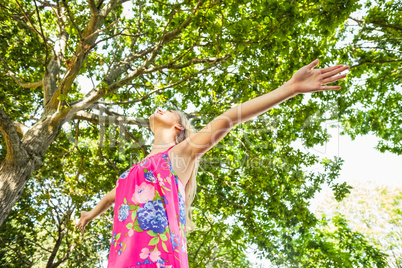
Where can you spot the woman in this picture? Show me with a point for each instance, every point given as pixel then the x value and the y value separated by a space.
pixel 152 199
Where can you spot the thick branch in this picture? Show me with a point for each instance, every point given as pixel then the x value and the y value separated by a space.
pixel 55 63
pixel 89 36
pixel 21 128
pixel 92 7
pixel 110 119
pixel 110 6
pixel 10 135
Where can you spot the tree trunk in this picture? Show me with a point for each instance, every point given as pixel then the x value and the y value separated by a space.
pixel 15 171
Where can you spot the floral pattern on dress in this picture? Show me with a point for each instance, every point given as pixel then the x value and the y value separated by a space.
pixel 149 222
pixel 153 216
pixel 124 175
pixel 143 193
pixel 123 212
pixel 182 209
pixel 149 176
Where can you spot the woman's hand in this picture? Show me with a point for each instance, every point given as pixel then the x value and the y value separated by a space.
pixel 308 79
pixel 84 220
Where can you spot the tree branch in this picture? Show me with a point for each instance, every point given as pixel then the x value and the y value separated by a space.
pixel 21 84
pixel 373 62
pixel 107 84
pixel 186 78
pixel 10 135
pixel 55 63
pixel 21 128
pixel 72 18
pixel 26 16
pixel 127 133
pixel 110 119
pixel 360 21
pixel 92 7
pixel 89 36
pixel 191 62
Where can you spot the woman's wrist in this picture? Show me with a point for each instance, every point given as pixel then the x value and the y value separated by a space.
pixel 290 88
pixel 90 216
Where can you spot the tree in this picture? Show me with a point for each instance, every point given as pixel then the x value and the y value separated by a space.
pixel 205 54
pixel 375 77
pixel 375 213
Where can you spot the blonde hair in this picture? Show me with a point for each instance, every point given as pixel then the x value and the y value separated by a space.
pixel 191 187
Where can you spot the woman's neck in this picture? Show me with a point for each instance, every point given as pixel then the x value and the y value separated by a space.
pixel 164 139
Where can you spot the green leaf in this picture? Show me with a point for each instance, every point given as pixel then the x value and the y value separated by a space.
pixel 154 241
pixel 163 237
pixel 134 215
pixel 137 228
pixel 152 233
pixel 164 247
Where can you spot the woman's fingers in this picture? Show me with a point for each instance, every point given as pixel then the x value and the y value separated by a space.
pixel 330 87
pixel 81 226
pixel 329 69
pixel 313 64
pixel 334 71
pixel 333 79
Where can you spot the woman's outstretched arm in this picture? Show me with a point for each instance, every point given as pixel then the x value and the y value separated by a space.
pixel 305 80
pixel 87 216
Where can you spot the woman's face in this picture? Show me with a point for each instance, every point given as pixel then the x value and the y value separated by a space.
pixel 166 118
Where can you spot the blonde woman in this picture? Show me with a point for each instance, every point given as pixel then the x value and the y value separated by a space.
pixel 152 199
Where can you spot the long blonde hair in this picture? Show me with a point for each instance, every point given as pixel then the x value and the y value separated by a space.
pixel 191 187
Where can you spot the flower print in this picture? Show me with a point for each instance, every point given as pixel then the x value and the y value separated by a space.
pixel 160 263
pixel 125 174
pixel 165 199
pixel 172 239
pixel 182 210
pixel 143 163
pixel 123 212
pixel 143 193
pixel 152 216
pixel 161 182
pixel 183 246
pixel 131 232
pixel 149 176
pixel 154 255
pixel 165 156
pixel 171 168
pixel 160 260
pixel 114 238
pixel 174 173
pixel 119 253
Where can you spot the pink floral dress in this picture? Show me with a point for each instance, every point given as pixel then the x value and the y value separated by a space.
pixel 149 217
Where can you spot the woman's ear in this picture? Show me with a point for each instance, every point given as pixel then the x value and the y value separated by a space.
pixel 178 127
